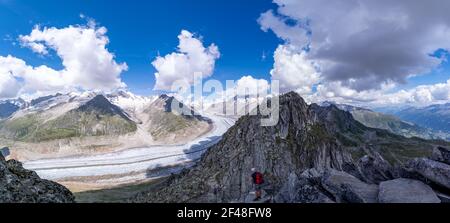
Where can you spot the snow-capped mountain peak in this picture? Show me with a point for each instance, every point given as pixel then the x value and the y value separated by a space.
pixel 129 101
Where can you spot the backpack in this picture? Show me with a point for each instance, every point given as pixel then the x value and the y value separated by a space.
pixel 259 178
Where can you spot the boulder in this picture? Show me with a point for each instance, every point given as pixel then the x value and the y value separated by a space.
pixel 375 169
pixel 436 172
pixel 18 185
pixel 348 189
pixel 303 189
pixel 441 154
pixel 406 191
pixel 443 197
pixel 5 152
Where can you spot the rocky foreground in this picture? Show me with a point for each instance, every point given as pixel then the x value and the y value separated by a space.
pixel 313 155
pixel 18 185
pixel 421 180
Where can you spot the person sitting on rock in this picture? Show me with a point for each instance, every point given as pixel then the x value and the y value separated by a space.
pixel 258 180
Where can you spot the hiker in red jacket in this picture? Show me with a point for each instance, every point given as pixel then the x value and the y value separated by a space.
pixel 258 180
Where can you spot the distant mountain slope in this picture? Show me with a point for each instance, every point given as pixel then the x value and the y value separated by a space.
pixel 310 142
pixel 8 107
pixel 42 99
pixel 63 116
pixel 436 117
pixel 390 122
pixel 165 124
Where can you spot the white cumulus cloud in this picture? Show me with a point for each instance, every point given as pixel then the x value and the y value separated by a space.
pixel 294 70
pixel 9 87
pixel 88 64
pixel 250 86
pixel 359 51
pixel 26 79
pixel 421 95
pixel 191 57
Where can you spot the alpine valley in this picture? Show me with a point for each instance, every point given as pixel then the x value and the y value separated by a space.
pixel 127 148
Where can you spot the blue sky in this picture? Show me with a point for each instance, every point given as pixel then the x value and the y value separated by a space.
pixel 343 62
pixel 138 30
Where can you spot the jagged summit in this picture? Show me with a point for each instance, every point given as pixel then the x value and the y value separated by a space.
pixel 102 105
pixel 167 123
pixel 299 141
pixel 164 97
pixel 308 140
pixel 45 98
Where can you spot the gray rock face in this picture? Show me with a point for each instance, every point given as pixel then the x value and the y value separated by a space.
pixel 375 169
pixel 304 158
pixel 18 185
pixel 348 189
pixel 327 186
pixel 441 154
pixel 4 152
pixel 434 171
pixel 303 189
pixel 406 191
pixel 298 142
pixel 443 197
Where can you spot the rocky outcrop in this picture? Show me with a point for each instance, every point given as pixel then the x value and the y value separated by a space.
pixel 441 154
pixel 5 152
pixel 308 156
pixel 325 186
pixel 406 191
pixel 346 188
pixel 437 172
pixel 303 189
pixel 298 142
pixel 18 185
pixel 374 169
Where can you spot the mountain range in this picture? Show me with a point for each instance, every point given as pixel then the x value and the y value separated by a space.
pixel 89 122
pixel 314 154
pixel 436 117
pixel 392 123
pixel 8 107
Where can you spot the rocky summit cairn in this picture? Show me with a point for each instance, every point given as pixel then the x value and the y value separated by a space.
pixel 306 157
pixel 18 185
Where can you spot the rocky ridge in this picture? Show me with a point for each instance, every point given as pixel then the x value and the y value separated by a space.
pixel 18 185
pixel 307 158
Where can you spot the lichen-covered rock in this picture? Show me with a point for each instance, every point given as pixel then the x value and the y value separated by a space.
pixel 375 169
pixel 441 154
pixel 18 185
pixel 303 189
pixel 406 191
pixel 5 152
pixel 348 189
pixel 437 172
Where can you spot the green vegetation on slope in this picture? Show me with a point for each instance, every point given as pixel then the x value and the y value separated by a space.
pixel 164 123
pixel 393 124
pixel 31 128
pixel 119 194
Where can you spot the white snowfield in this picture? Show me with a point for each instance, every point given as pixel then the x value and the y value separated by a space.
pixel 131 165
